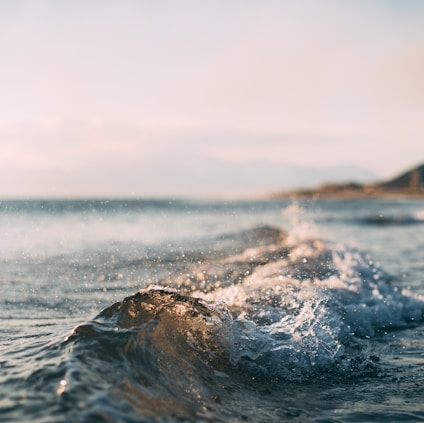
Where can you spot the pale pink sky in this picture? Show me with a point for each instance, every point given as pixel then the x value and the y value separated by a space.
pixel 88 84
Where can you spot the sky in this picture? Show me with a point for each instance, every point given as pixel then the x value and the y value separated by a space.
pixel 194 97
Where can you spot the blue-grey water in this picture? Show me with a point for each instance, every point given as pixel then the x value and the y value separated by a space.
pixel 212 311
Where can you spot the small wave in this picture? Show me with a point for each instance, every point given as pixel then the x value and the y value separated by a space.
pixel 255 316
pixel 158 351
pixel 272 315
pixel 393 220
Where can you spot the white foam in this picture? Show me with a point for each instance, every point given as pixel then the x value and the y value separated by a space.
pixel 287 311
pixel 300 224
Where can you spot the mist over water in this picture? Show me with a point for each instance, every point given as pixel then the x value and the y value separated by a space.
pixel 177 310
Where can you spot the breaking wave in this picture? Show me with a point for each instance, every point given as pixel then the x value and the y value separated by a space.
pixel 279 311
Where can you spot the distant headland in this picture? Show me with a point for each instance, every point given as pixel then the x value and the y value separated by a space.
pixel 408 184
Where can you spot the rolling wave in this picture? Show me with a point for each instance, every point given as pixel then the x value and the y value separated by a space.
pixel 393 220
pixel 273 314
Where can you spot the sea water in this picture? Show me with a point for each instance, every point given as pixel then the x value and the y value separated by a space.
pixel 207 311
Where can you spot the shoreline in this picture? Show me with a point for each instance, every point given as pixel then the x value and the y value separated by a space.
pixel 408 185
pixel 346 195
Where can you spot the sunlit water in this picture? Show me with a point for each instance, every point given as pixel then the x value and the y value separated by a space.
pixel 166 310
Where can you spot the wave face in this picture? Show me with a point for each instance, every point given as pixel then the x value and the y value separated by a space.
pixel 232 331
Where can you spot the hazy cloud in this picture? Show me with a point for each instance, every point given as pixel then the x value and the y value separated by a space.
pixel 316 84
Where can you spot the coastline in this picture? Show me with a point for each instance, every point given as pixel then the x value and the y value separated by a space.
pixel 407 185
pixel 341 195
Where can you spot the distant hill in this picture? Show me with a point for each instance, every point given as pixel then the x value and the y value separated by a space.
pixel 409 183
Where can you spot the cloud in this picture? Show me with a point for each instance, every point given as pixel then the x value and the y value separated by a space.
pixel 66 145
pixel 167 175
pixel 276 65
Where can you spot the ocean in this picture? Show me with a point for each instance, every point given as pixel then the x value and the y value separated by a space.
pixel 175 310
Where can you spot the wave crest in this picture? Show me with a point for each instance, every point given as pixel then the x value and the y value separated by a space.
pixel 270 315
